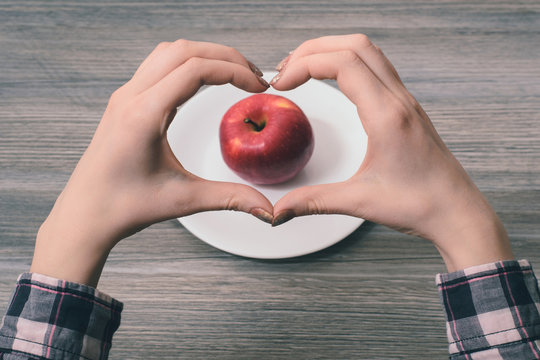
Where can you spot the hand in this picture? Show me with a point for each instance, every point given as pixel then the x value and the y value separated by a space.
pixel 128 178
pixel 409 180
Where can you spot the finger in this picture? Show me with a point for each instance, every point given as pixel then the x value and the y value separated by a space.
pixel 185 81
pixel 166 57
pixel 353 76
pixel 370 54
pixel 335 198
pixel 197 195
pixel 156 52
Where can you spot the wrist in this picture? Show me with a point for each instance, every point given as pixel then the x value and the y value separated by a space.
pixel 65 251
pixel 485 243
pixel 472 234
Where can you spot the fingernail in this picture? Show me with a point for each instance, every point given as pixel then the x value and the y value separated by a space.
pixel 275 79
pixel 283 217
pixel 255 69
pixel 282 63
pixel 262 215
pixel 263 82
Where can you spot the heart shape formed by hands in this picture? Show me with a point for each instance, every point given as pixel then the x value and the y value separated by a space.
pixel 340 146
pixel 129 178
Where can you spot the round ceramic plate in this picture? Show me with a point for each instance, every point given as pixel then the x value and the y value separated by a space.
pixel 340 146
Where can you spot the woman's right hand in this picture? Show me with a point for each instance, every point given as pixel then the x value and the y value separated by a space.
pixel 129 178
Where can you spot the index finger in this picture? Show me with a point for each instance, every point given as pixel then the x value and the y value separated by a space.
pixel 355 79
pixel 166 57
pixel 182 83
pixel 370 54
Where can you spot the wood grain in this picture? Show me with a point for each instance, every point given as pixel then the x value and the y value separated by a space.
pixel 473 65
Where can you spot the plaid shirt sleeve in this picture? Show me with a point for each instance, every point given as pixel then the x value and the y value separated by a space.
pixel 492 311
pixel 49 318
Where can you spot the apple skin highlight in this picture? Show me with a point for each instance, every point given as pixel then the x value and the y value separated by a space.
pixel 266 139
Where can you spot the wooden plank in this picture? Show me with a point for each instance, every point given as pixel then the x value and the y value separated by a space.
pixel 474 67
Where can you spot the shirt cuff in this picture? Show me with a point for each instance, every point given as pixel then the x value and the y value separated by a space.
pixel 492 311
pixel 55 319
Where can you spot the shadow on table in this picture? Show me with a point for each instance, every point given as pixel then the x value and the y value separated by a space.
pixel 339 248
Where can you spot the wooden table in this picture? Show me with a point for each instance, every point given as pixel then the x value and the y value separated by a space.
pixel 473 66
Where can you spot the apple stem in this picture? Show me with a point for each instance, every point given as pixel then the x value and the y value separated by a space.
pixel 256 126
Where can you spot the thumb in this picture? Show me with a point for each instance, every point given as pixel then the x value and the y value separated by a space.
pixel 335 198
pixel 215 195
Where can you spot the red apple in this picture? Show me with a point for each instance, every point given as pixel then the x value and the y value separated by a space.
pixel 266 139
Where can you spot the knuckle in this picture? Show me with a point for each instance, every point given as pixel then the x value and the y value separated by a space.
pixel 181 44
pixel 307 44
pixel 194 62
pixel 119 98
pixel 134 114
pixel 350 56
pixel 139 110
pixel 230 202
pixel 231 52
pixel 398 115
pixel 316 206
pixel 194 66
pixel 162 45
pixel 116 97
pixel 361 40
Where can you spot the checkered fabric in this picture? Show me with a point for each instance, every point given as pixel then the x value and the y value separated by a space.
pixel 49 318
pixel 492 311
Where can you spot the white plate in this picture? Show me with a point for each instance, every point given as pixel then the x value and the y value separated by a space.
pixel 340 146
